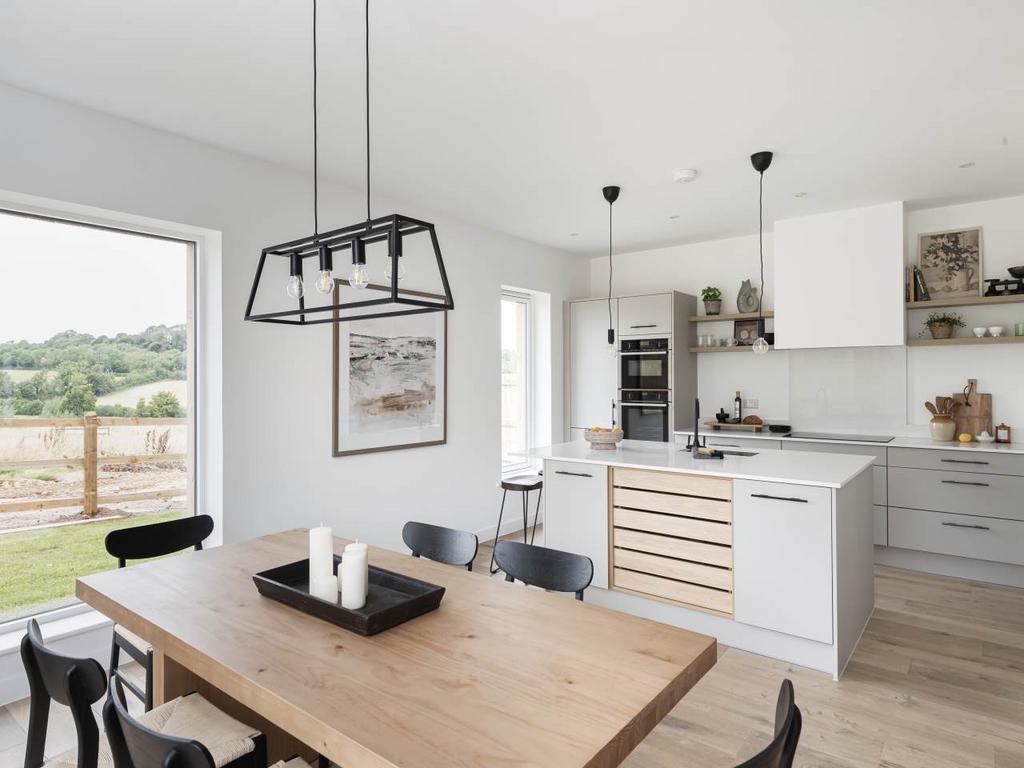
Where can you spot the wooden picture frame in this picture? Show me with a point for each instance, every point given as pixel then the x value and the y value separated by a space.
pixel 951 262
pixel 346 442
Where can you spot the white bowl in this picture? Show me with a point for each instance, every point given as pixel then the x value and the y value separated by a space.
pixel 995 330
pixel 984 437
pixel 979 332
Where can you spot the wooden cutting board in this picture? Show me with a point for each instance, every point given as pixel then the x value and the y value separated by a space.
pixel 975 417
pixel 718 427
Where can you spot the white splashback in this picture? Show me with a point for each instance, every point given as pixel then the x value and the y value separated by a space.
pixel 856 389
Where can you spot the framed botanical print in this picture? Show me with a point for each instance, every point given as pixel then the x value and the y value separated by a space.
pixel 950 262
pixel 389 381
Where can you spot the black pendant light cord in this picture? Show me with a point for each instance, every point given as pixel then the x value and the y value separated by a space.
pixel 367 110
pixel 609 266
pixel 760 239
pixel 316 180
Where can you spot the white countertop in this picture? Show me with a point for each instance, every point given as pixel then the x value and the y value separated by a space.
pixel 896 442
pixel 830 470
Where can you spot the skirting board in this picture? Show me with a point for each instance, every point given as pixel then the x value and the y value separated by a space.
pixel 947 565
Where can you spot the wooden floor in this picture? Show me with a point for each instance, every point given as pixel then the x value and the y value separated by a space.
pixel 937 681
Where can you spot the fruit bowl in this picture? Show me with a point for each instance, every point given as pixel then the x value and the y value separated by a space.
pixel 602 439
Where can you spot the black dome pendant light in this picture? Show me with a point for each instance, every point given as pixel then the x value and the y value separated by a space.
pixel 385 300
pixel 611 194
pixel 761 161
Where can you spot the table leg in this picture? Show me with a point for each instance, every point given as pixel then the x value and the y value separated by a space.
pixel 171 679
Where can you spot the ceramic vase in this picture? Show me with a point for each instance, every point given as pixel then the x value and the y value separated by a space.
pixel 943 429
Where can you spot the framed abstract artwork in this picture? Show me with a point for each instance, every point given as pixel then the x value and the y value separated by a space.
pixel 390 377
pixel 950 262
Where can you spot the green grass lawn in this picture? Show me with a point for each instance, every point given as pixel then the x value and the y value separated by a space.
pixel 39 568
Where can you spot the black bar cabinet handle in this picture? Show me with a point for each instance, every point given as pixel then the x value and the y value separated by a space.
pixel 574 474
pixel 649 325
pixel 964 482
pixel 777 498
pixel 964 525
pixel 962 461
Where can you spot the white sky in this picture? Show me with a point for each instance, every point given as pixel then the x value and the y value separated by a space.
pixel 57 277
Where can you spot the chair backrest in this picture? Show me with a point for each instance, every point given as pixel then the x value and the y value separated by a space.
pixel 76 683
pixel 545 568
pixel 134 745
pixel 157 539
pixel 788 722
pixel 443 545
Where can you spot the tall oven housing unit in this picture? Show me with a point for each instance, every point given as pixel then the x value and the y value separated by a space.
pixel 648 385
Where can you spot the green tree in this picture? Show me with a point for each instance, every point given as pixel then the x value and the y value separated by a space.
pixel 164 405
pixel 78 399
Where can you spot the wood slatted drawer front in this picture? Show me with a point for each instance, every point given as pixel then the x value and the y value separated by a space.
pixel 670 504
pixel 670 525
pixel 676 591
pixel 674 482
pixel 683 549
pixel 681 570
pixel 958 460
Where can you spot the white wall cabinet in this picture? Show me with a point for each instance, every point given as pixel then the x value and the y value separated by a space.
pixel 577 495
pixel 782 558
pixel 839 279
pixel 645 315
pixel 593 372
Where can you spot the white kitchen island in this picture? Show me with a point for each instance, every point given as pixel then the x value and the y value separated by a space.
pixel 770 552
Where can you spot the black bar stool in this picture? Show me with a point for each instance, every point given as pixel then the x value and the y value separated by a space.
pixel 522 484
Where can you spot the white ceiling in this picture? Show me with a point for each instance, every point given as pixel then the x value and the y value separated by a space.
pixel 514 114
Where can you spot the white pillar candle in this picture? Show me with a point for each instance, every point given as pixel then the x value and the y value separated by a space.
pixel 354 576
pixel 321 553
pixel 324 587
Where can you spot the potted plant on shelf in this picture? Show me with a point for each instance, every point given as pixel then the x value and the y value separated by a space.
pixel 944 324
pixel 712 300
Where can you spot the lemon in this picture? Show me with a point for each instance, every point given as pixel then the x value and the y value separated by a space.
pixel 966 438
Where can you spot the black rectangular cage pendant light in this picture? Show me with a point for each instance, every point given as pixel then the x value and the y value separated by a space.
pixel 388 299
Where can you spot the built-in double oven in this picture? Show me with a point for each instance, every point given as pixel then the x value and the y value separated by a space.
pixel 644 389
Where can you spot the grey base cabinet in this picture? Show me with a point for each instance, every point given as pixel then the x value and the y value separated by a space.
pixel 580 494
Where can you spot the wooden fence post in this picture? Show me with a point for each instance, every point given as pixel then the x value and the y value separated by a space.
pixel 89 457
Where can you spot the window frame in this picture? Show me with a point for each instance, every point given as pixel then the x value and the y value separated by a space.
pixel 526 299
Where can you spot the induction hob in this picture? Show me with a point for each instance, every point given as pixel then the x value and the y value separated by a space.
pixel 834 436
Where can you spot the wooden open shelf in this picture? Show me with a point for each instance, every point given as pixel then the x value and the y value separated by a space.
pixel 737 348
pixel 958 340
pixel 734 316
pixel 964 301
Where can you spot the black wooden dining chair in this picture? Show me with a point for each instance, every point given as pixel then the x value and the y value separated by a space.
pixel 545 568
pixel 187 732
pixel 75 683
pixel 440 544
pixel 788 722
pixel 138 543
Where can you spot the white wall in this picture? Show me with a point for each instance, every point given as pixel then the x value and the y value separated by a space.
pixel 278 469
pixel 873 388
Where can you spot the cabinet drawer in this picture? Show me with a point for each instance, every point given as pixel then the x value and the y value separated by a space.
pixel 645 314
pixel 881 526
pixel 957 492
pixel 957 460
pixel 982 538
pixel 719 440
pixel 684 549
pixel 879 486
pixel 857 450
pixel 686 506
pixel 676 591
pixel 670 525
pixel 680 570
pixel 674 482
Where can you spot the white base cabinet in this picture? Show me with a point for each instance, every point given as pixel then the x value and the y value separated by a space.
pixel 577 495
pixel 782 551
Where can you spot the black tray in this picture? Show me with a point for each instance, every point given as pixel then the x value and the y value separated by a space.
pixel 391 600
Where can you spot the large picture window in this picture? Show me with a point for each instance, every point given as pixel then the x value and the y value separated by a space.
pixel 96 398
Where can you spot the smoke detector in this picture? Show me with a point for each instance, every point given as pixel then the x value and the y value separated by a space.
pixel 685 175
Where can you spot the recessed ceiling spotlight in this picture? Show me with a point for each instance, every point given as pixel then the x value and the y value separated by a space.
pixel 685 175
pixel 674 216
pixel 967 165
pixel 800 194
pixel 574 234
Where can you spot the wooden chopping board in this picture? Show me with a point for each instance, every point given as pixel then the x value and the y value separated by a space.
pixel 718 427
pixel 975 417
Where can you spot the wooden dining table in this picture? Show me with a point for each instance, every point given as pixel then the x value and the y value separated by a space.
pixel 499 675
